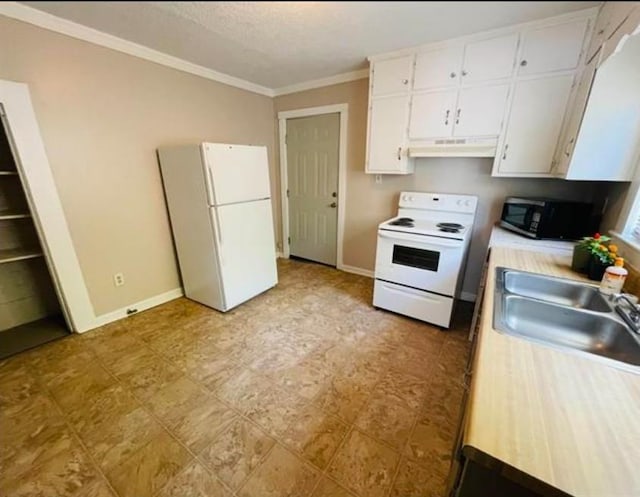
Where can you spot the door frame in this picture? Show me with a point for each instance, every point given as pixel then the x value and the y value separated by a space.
pixel 343 110
pixel 48 216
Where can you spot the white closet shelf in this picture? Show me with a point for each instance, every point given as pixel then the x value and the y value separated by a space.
pixel 8 173
pixel 12 255
pixel 9 214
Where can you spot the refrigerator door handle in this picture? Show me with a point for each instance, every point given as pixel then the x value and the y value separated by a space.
pixel 210 185
pixel 216 222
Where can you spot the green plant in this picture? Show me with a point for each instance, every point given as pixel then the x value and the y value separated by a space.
pixel 599 248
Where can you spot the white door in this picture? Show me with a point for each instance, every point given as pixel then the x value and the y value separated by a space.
pixel 438 68
pixel 388 121
pixel 534 124
pixel 552 48
pixel 489 59
pixel 480 110
pixel 312 176
pixel 432 114
pixel 246 248
pixel 236 173
pixel 391 76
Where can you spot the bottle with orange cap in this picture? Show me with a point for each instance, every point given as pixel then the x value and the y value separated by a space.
pixel 614 277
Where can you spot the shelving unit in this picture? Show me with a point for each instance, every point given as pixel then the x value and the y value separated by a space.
pixel 30 313
pixel 11 214
pixel 14 255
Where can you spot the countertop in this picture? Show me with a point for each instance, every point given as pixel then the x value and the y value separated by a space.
pixel 566 420
pixel 505 238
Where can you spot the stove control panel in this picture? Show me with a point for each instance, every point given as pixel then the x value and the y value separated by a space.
pixel 438 201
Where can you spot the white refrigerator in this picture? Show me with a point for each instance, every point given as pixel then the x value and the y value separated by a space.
pixel 219 203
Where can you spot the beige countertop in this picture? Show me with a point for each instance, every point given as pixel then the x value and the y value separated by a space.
pixel 564 419
pixel 505 238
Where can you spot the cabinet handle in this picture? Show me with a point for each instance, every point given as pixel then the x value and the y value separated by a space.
pixel 446 117
pixel 405 81
pixel 458 116
pixel 452 75
pixel 464 73
pixel 399 153
pixel 523 63
pixel 504 155
pixel 566 150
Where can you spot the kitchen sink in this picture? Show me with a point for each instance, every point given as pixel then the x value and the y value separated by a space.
pixel 563 314
pixel 555 290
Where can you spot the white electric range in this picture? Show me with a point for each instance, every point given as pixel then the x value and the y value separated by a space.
pixel 421 255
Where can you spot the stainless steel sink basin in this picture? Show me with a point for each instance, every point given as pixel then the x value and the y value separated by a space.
pixel 556 290
pixel 570 317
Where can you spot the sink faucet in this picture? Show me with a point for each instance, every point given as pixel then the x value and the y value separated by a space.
pixel 631 315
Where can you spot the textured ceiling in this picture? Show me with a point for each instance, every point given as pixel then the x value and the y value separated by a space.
pixel 276 44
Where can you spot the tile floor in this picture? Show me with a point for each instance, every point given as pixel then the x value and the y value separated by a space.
pixel 305 390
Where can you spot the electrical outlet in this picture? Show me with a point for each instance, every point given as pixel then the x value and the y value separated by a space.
pixel 378 179
pixel 118 279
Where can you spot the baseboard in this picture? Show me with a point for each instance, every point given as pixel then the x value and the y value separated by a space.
pixel 143 305
pixel 468 296
pixel 356 270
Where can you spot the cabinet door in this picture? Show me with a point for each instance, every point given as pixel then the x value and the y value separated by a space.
pixel 387 135
pixel 489 59
pixel 438 68
pixel 432 114
pixel 533 127
pixel 565 149
pixel 480 110
pixel 553 48
pixel 391 76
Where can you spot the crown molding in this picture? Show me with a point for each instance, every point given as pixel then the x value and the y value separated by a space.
pixel 48 21
pixel 319 83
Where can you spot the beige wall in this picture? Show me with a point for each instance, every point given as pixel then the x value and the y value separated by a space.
pixel 102 114
pixel 369 203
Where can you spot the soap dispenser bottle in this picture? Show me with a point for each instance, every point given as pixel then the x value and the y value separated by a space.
pixel 614 277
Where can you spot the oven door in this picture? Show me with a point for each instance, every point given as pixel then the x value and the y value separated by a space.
pixel 418 261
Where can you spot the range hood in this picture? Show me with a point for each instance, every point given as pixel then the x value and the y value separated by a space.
pixel 454 147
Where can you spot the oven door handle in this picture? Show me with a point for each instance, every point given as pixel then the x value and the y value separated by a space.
pixel 427 240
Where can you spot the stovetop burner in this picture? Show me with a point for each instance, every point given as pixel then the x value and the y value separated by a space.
pixel 402 221
pixel 455 226
pixel 450 230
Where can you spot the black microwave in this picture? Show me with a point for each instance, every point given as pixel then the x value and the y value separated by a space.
pixel 537 217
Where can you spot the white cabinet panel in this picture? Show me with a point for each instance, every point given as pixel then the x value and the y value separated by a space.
pixel 553 48
pixel 392 76
pixel 438 68
pixel 489 59
pixel 432 114
pixel 534 123
pixel 565 149
pixel 388 119
pixel 480 110
pixel 628 26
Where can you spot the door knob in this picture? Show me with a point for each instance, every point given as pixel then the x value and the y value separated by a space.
pixel 333 205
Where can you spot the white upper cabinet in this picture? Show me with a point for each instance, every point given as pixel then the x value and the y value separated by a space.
pixel 501 94
pixel 607 147
pixel 480 111
pixel 392 76
pixel 533 126
pixel 438 68
pixel 568 141
pixel 552 48
pixel 432 114
pixel 386 146
pixel 489 59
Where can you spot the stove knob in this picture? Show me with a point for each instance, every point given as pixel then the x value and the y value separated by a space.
pixel 404 198
pixel 410 199
pixel 459 202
